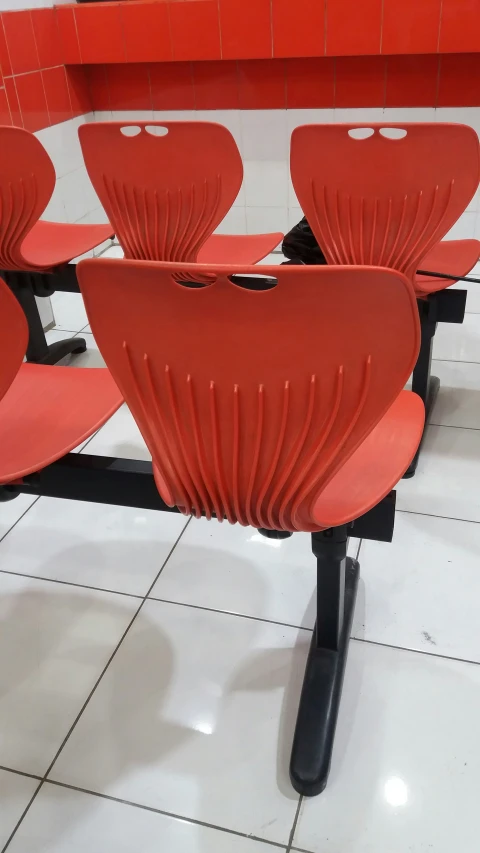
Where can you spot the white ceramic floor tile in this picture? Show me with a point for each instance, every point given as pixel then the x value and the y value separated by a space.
pixel 238 570
pixel 56 639
pixel 421 591
pixel 65 821
pixel 195 716
pixel 458 401
pixel 90 358
pixel 11 511
pixel 15 794
pixel 458 341
pixel 447 481
pixel 99 545
pixel 406 759
pixel 120 437
pixel 69 311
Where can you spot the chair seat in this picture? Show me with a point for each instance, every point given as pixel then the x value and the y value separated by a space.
pixel 238 248
pixel 376 466
pixel 455 257
pixel 49 411
pixel 50 244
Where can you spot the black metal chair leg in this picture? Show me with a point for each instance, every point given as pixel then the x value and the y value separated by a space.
pixel 337 581
pixel 38 351
pixel 423 384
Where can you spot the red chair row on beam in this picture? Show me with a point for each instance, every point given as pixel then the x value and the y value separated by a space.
pixel 189 174
pixel 272 400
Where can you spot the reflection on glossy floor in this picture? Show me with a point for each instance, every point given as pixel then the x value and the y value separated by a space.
pixel 150 668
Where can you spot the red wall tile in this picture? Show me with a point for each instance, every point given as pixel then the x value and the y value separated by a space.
pixel 460 26
pixel 21 41
pixel 172 86
pixel 47 37
pixel 262 84
pixel 31 97
pixel 310 83
pixel 98 87
pixel 194 28
pixel 146 32
pixel 5 118
pixel 57 95
pixel 100 32
pixel 298 28
pixel 13 104
pixel 459 83
pixel 4 56
pixel 129 87
pixel 411 81
pixel 353 27
pixel 216 85
pixel 360 81
pixel 78 90
pixel 412 27
pixel 68 34
pixel 246 29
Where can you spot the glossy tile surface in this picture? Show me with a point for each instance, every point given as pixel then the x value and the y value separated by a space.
pixel 448 475
pixel 12 511
pixel 458 401
pixel 413 590
pixel 238 570
pixel 406 760
pixel 15 794
pixel 65 821
pixel 56 639
pixel 458 342
pixel 109 547
pixel 195 716
pixel 120 437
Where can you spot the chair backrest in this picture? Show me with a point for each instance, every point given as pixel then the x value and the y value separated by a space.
pixel 165 186
pixel 381 200
pixel 13 337
pixel 250 401
pixel 27 181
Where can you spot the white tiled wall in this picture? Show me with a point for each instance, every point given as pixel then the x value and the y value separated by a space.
pixel 267 201
pixel 74 199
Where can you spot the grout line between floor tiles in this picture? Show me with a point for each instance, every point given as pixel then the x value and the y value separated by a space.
pixel 132 804
pixel 434 515
pixel 300 850
pixel 415 651
pixel 453 426
pixel 92 691
pixel 71 583
pixel 229 613
pixel 455 360
pixel 20 772
pixel 20 820
pixel 294 824
pixel 122 638
pixel 20 518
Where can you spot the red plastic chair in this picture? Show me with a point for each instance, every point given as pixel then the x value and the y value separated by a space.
pixel 454 257
pixel 389 201
pixel 27 181
pixel 166 186
pixel 44 411
pixel 385 201
pixel 280 409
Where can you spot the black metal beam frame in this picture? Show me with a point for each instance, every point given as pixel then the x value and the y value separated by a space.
pixel 26 286
pixel 129 482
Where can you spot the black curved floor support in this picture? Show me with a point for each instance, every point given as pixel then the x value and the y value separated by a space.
pixel 337 581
